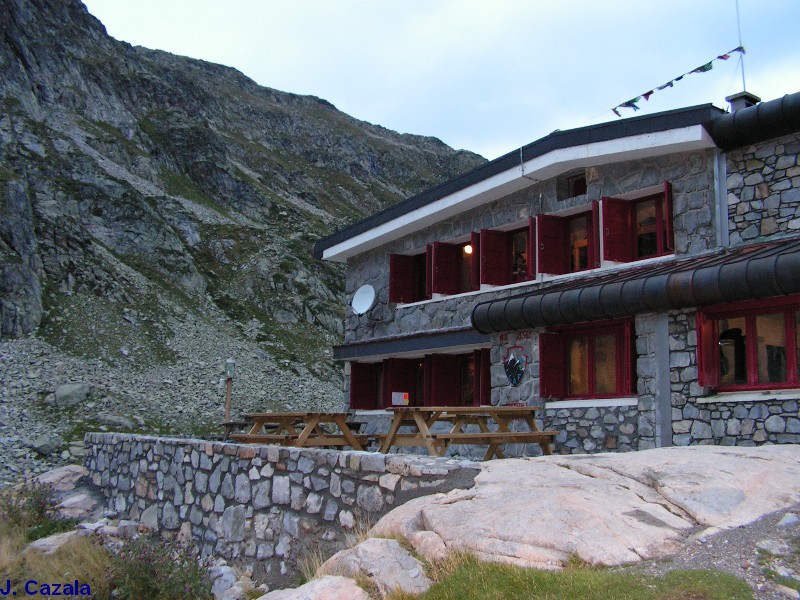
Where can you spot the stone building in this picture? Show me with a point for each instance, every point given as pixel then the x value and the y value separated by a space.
pixel 638 280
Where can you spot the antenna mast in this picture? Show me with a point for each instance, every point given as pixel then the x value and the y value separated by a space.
pixel 741 55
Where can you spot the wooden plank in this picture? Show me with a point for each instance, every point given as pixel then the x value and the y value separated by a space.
pixel 262 438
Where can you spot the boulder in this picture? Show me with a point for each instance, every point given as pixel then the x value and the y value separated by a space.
pixel 607 509
pixel 384 562
pixel 51 543
pixel 80 505
pixel 46 443
pixel 70 394
pixel 63 479
pixel 330 587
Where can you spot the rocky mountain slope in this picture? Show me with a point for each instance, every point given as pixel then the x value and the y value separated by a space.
pixel 157 214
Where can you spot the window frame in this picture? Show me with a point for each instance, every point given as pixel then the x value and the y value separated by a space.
pixel 552 237
pixel 554 358
pixel 708 359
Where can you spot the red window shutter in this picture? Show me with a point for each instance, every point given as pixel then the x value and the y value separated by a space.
pixel 594 236
pixel 707 351
pixel 552 361
pixel 531 247
pixel 429 271
pixel 626 371
pixel 483 368
pixel 617 236
pixel 495 257
pixel 475 261
pixel 445 384
pixel 364 385
pixel 401 278
pixel 551 237
pixel 670 233
pixel 427 394
pixel 400 375
pixel 446 268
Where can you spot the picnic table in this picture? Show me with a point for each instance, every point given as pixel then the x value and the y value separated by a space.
pixel 300 429
pixel 421 418
pixel 333 429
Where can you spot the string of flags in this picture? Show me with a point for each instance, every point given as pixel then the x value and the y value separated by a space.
pixel 632 103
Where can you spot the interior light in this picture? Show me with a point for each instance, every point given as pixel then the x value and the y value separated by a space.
pixel 468 249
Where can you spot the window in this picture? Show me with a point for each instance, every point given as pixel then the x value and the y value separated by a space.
pixel 434 380
pixel 582 362
pixel 571 185
pixel 507 256
pixel 750 345
pixel 637 229
pixel 568 244
pixel 442 269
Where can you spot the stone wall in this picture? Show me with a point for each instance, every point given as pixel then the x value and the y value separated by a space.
pixel 698 419
pixel 764 190
pixel 259 506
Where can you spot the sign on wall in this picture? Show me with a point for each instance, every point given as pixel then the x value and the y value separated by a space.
pixel 514 363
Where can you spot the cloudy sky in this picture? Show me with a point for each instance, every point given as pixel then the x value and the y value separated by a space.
pixel 484 76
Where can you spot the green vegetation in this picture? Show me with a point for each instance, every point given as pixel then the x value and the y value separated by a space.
pixel 465 578
pixel 180 185
pixel 31 509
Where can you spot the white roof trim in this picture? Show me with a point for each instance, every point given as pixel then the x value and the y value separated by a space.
pixel 549 165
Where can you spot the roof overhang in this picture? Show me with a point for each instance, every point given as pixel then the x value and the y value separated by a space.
pixel 523 175
pixel 448 341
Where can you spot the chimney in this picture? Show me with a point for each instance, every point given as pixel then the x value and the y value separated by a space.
pixel 742 100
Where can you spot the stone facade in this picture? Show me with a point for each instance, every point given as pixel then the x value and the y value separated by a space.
pixel 260 506
pixel 764 190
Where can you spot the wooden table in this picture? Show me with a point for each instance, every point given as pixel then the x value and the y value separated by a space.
pixel 421 418
pixel 300 429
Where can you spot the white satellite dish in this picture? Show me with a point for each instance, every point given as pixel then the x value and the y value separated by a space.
pixel 363 299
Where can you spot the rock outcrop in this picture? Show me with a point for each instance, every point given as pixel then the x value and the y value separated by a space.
pixel 606 509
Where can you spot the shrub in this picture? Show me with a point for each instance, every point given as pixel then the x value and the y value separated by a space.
pixel 31 507
pixel 158 570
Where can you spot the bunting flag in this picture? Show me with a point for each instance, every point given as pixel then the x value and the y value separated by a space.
pixel 701 69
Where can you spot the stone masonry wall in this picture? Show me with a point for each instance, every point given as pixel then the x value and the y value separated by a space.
pixel 259 506
pixel 691 175
pixel 764 190
pixel 728 423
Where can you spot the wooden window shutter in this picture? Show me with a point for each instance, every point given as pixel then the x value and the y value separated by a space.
pixel 364 385
pixel 551 237
pixel 669 231
pixel 552 361
pixel 427 394
pixel 446 268
pixel 594 236
pixel 475 261
pixel 707 351
pixel 402 282
pixel 617 231
pixel 400 375
pixel 495 257
pixel 531 248
pixel 445 382
pixel 429 271
pixel 627 366
pixel 483 374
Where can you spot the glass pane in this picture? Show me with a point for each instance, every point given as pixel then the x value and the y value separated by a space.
pixel 605 364
pixel 578 376
pixel 467 380
pixel 579 244
pixel 646 229
pixel 771 336
pixel 732 352
pixel 519 252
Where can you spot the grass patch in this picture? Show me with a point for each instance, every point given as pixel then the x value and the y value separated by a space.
pixel 465 578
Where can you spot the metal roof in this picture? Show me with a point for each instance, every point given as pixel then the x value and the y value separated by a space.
pixel 747 272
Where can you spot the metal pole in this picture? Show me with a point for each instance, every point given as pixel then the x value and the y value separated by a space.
pixel 741 54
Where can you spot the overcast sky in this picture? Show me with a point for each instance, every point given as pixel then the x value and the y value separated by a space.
pixel 486 76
